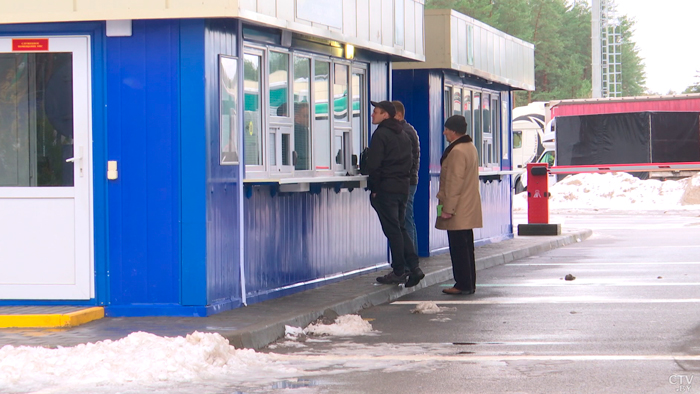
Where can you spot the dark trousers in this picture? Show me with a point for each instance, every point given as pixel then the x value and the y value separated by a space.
pixel 391 209
pixel 463 260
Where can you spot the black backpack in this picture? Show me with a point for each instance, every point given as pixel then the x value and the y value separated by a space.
pixel 363 161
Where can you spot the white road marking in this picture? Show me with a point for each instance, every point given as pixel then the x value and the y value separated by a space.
pixel 579 282
pixel 556 300
pixel 581 264
pixel 477 358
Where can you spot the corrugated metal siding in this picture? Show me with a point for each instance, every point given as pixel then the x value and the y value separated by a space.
pixel 612 107
pixel 379 81
pixel 142 121
pixel 223 232
pixel 298 237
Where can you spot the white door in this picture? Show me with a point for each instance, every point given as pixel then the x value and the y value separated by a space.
pixel 45 169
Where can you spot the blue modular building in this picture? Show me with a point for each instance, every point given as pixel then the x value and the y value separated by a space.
pixel 471 69
pixel 188 157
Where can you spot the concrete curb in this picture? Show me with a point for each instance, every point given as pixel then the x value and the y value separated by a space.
pixel 364 293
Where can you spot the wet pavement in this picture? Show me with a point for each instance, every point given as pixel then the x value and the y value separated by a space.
pixel 260 324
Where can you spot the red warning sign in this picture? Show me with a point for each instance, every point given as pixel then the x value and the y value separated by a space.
pixel 30 44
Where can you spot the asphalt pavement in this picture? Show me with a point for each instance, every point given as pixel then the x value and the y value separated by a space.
pixel 255 326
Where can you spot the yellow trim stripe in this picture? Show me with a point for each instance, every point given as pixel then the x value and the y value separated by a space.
pixel 52 320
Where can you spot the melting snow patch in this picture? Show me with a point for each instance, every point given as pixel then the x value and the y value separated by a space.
pixel 430 308
pixel 344 326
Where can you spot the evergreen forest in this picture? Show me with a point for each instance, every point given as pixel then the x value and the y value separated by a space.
pixel 561 33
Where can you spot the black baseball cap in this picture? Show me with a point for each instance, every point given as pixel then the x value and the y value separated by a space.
pixel 386 106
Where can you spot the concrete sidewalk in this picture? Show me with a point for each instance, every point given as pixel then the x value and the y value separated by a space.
pixel 258 325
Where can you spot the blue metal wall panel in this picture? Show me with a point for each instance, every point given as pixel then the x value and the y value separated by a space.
pixel 223 230
pixel 412 88
pixel 142 119
pixel 293 238
pixel 193 187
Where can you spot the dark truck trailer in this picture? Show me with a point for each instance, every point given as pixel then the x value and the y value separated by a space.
pixel 667 132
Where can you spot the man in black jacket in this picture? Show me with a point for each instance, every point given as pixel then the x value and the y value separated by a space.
pixel 389 168
pixel 415 159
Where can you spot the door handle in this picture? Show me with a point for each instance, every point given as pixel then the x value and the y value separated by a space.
pixel 79 158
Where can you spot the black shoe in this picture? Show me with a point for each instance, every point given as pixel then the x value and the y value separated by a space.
pixel 415 277
pixel 392 279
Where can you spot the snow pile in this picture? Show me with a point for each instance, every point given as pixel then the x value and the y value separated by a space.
pixel 140 358
pixel 619 191
pixel 430 308
pixel 344 326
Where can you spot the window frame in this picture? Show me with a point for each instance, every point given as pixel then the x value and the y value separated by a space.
pixel 274 128
pixel 262 167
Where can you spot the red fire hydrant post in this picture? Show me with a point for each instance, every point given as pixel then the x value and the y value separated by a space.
pixel 538 203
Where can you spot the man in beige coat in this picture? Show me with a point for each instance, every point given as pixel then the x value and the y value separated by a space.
pixel 459 209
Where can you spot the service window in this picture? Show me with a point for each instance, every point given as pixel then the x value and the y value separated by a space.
pixel 487 135
pixel 253 114
pixel 505 126
pixel 456 101
pixel 467 105
pixel 341 118
pixel 359 113
pixel 302 110
pixel 322 121
pixel 279 137
pixel 496 130
pixel 478 137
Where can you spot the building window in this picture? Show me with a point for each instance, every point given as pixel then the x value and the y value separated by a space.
pixel 252 75
pixel 467 106
pixel 487 140
pixel 297 120
pixel 302 98
pixel 478 136
pixel 359 111
pixel 496 130
pixel 505 125
pixel 322 121
pixel 228 93
pixel 456 101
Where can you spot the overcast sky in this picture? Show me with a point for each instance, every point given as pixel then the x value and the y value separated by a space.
pixel 665 33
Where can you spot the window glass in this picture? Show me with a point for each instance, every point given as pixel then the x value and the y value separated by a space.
pixel 496 129
pixel 228 86
pixel 467 105
pixel 486 108
pixel 302 91
pixel 36 119
pixel 340 93
pixel 272 152
pixel 358 124
pixel 253 114
pixel 448 99
pixel 321 126
pixel 477 124
pixel 286 161
pixel 517 139
pixel 278 80
pixel 505 126
pixel 340 151
pixel 457 102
